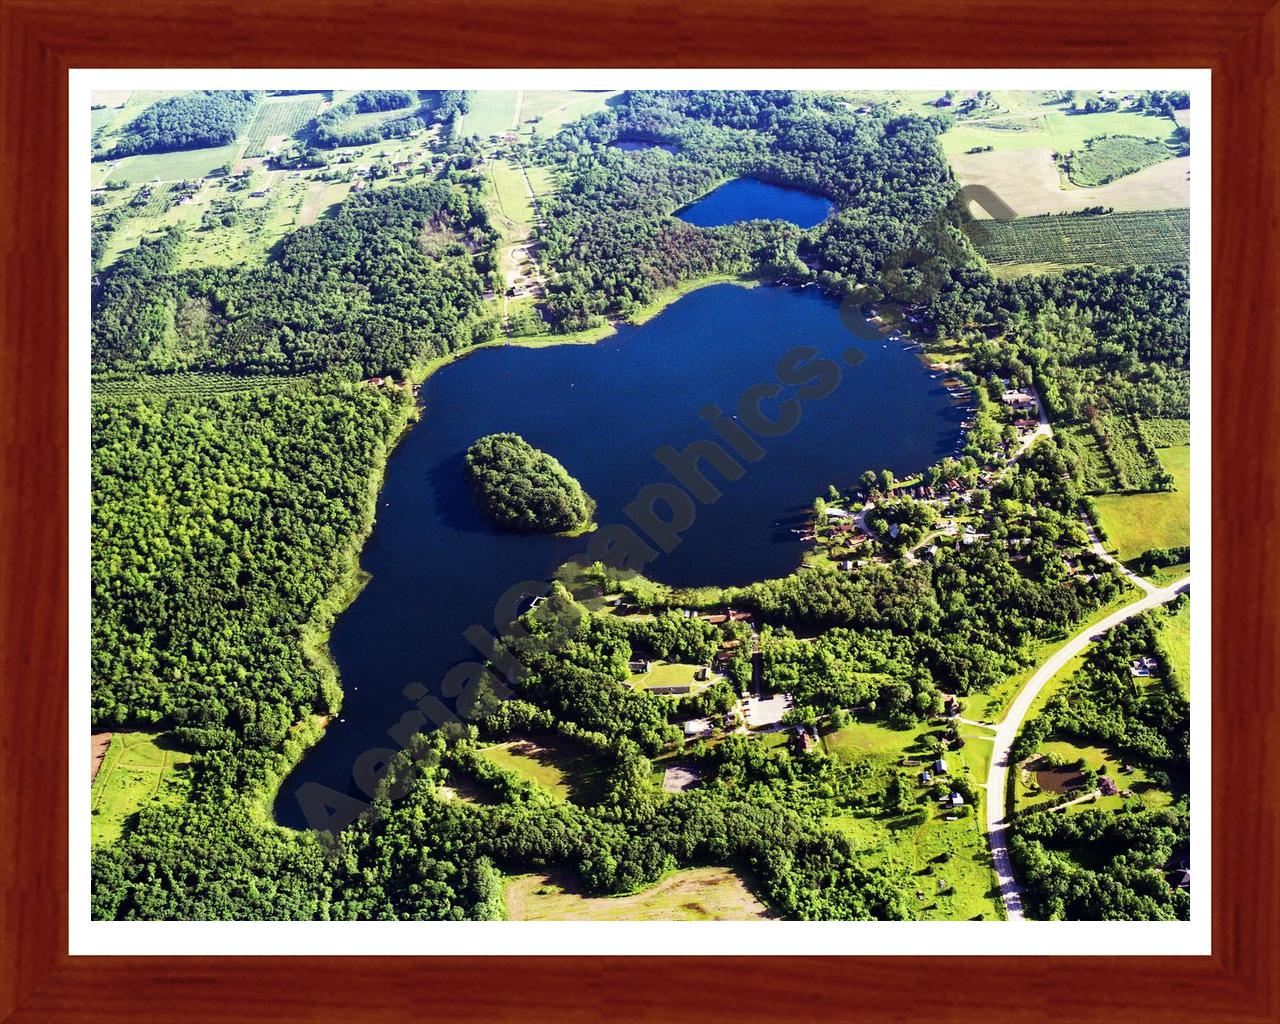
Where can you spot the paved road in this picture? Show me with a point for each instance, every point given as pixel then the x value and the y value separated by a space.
pixel 1007 731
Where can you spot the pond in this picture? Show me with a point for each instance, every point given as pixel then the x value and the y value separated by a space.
pixel 638 145
pixel 437 566
pixel 752 199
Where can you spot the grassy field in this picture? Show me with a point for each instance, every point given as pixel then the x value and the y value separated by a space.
pixel 139 768
pixel 695 894
pixel 181 166
pixel 511 197
pixel 1175 642
pixel 1056 129
pixel 555 108
pixel 279 119
pixel 1036 244
pixel 493 111
pixel 921 840
pixel 1106 159
pixel 552 762
pixel 1138 522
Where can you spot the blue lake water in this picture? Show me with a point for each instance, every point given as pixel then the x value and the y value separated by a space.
pixel 437 564
pixel 752 199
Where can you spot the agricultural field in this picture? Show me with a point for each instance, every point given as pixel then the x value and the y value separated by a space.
pixel 1139 522
pixel 187 385
pixel 694 894
pixel 279 119
pixel 1038 244
pixel 1104 160
pixel 1056 129
pixel 139 769
pixel 556 764
pixel 949 859
pixel 1030 183
pixel 1121 444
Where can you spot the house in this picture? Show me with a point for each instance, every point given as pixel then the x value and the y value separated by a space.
pixel 696 727
pixel 940 766
pixel 1143 666
pixel 926 776
pixel 1016 397
pixel 640 667
pixel 1108 786
pixel 701 674
pixel 955 799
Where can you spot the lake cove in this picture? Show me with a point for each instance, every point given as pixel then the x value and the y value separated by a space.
pixel 438 566
pixel 752 199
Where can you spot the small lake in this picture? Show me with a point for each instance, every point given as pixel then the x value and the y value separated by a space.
pixel 638 145
pixel 752 199
pixel 437 564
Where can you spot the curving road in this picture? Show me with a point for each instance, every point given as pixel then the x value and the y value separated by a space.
pixel 1007 731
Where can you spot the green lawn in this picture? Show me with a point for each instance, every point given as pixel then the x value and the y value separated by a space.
pixel 1138 522
pixel 862 738
pixel 665 673
pixel 139 769
pixel 552 762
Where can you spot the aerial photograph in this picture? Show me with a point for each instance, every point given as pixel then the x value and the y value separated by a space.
pixel 640 505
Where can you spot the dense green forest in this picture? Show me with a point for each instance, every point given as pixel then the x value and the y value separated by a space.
pixel 1093 340
pixel 524 489
pixel 192 120
pixel 396 277
pixel 221 526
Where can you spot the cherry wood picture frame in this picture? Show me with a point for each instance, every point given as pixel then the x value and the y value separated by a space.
pixel 41 39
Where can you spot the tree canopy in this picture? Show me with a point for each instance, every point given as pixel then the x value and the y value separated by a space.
pixel 524 489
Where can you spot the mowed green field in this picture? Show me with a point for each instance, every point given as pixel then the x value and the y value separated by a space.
pixel 139 769
pixel 695 894
pixel 1036 244
pixel 1139 522
pixel 1056 129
